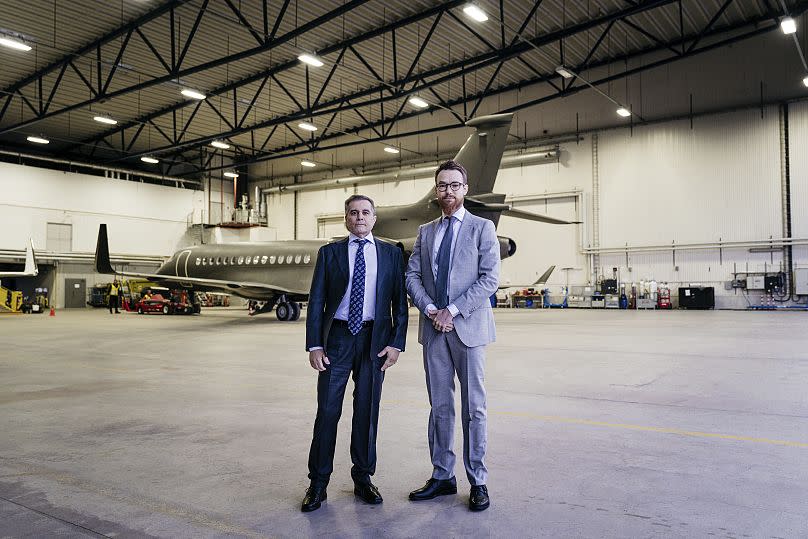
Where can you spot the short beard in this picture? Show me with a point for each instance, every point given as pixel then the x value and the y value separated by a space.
pixel 444 204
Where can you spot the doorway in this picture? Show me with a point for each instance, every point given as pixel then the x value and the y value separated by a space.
pixel 75 293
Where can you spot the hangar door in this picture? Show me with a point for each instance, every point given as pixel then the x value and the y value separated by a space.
pixel 75 293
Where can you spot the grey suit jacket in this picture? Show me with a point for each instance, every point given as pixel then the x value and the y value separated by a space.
pixel 473 277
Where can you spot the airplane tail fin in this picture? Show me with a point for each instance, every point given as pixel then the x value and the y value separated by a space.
pixel 482 152
pixel 31 267
pixel 481 156
pixel 102 263
pixel 544 276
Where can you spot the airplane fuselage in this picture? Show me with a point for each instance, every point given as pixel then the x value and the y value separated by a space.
pixel 287 264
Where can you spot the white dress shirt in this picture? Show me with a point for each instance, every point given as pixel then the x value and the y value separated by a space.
pixel 371 266
pixel 456 222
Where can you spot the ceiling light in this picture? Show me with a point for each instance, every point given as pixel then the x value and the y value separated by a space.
pixel 475 13
pixel 624 112
pixel 564 72
pixel 14 44
pixel 150 160
pixel 788 25
pixel 416 101
pixel 310 59
pixel 231 174
pixel 805 81
pixel 219 144
pixel 193 94
pixel 38 140
pixel 308 163
pixel 105 120
pixel 390 149
pixel 307 126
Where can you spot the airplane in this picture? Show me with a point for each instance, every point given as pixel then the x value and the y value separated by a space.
pixel 279 272
pixel 31 269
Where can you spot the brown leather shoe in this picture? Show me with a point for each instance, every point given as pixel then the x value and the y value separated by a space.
pixel 368 492
pixel 315 496
pixel 479 501
pixel 434 488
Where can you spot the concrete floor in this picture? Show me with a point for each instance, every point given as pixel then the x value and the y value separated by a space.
pixel 601 424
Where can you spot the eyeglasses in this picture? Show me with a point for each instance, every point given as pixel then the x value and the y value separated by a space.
pixel 454 185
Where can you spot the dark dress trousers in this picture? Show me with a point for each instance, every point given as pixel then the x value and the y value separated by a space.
pixel 352 353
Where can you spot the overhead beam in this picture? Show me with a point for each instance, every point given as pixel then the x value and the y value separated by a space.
pixel 180 73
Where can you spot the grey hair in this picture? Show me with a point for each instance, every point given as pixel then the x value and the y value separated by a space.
pixel 354 198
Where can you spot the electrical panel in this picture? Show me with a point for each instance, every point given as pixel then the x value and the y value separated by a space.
pixel 801 281
pixel 774 282
pixel 756 282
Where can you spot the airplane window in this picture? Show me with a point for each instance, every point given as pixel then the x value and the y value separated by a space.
pixel 307 259
pixel 298 258
pixel 288 259
pixel 204 261
pixel 210 261
pixel 198 261
pixel 272 259
pixel 280 259
pixel 224 261
pixel 240 260
pixel 218 260
pixel 247 259
pixel 255 259
pixel 264 259
pixel 232 260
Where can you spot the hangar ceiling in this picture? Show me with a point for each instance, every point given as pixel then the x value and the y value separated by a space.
pixel 129 60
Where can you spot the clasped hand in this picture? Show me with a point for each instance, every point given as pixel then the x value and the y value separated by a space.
pixel 442 320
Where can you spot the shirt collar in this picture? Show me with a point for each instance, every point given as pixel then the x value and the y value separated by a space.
pixel 459 214
pixel 353 236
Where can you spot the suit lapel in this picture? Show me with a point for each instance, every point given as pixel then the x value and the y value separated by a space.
pixel 342 258
pixel 463 235
pixel 381 271
pixel 426 262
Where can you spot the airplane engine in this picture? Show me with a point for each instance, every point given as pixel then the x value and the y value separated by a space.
pixel 507 247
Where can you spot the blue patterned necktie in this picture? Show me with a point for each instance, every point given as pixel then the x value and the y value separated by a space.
pixel 357 299
pixel 444 253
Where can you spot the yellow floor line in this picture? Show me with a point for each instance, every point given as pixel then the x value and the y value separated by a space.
pixel 629 426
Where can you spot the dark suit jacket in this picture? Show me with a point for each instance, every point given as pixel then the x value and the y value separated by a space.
pixel 328 286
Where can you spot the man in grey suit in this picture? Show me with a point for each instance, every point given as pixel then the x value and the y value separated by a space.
pixel 453 270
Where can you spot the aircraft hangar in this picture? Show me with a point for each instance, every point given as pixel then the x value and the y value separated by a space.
pixel 644 164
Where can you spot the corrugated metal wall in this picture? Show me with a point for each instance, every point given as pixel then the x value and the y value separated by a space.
pixel 798 158
pixel 668 182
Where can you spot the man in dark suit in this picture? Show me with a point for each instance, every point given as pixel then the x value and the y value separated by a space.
pixel 356 322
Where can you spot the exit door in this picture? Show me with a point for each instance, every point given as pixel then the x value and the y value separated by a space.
pixel 75 293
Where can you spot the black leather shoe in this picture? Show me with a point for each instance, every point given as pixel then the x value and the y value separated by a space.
pixel 434 488
pixel 478 501
pixel 368 492
pixel 315 496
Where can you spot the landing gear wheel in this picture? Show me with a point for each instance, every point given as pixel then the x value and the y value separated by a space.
pixel 283 311
pixel 165 309
pixel 295 311
pixel 140 310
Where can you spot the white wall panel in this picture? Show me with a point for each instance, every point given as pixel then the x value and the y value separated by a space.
pixel 798 144
pixel 142 218
pixel 280 214
pixel 669 182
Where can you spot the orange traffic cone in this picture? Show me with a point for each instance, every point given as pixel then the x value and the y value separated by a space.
pixel 53 312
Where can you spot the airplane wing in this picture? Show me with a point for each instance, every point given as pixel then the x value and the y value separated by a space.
pixel 507 209
pixel 31 269
pixel 540 281
pixel 103 265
